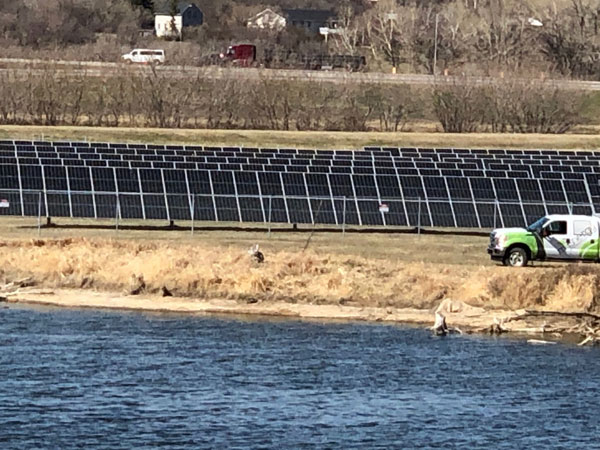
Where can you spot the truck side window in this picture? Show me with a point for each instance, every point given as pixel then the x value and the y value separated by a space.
pixel 557 227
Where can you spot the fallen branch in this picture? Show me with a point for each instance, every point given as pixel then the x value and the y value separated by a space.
pixel 559 313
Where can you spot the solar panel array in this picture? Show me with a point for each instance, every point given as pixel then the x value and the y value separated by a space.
pixel 373 186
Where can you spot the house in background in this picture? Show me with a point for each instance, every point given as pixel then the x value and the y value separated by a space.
pixel 267 20
pixel 166 25
pixel 311 20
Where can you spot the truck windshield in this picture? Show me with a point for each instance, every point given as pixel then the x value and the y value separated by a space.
pixel 537 225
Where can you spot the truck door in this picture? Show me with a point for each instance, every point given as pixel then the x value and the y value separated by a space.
pixel 584 239
pixel 556 240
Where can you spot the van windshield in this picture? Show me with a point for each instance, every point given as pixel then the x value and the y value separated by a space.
pixel 537 225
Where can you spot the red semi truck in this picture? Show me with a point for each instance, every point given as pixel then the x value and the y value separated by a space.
pixel 245 55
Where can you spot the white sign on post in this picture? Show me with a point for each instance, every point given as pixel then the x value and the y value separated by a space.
pixel 384 208
pixel 4 203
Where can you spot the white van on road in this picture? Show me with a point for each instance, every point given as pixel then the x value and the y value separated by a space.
pixel 144 55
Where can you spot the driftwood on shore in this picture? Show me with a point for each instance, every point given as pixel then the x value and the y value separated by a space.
pixel 587 325
pixel 14 287
pixel 556 324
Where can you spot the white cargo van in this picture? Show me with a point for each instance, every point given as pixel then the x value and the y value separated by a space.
pixel 144 55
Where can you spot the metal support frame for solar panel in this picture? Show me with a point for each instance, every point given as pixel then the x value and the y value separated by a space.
pixel 212 190
pixel 20 185
pixel 450 202
pixel 520 201
pixel 310 208
pixel 383 218
pixel 287 212
pixel 401 192
pixel 589 194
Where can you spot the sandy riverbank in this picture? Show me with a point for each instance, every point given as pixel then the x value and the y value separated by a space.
pixel 462 315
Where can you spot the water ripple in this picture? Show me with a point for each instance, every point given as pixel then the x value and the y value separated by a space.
pixel 72 379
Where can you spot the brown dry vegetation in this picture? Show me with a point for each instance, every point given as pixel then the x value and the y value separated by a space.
pixel 216 271
pixel 300 139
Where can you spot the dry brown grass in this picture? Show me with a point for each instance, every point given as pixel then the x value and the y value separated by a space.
pixel 212 270
pixel 301 139
pixel 399 246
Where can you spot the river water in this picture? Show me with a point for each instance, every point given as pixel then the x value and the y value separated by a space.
pixel 98 379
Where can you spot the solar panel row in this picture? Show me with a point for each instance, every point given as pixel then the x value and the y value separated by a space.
pixel 421 151
pixel 351 187
pixel 303 153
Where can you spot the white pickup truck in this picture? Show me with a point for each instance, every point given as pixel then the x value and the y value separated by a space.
pixel 553 237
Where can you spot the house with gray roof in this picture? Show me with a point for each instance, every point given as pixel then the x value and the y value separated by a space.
pixel 310 20
pixel 167 24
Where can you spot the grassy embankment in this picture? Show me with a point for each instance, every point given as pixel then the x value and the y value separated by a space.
pixel 302 139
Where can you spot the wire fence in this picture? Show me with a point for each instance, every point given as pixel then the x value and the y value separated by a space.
pixel 336 212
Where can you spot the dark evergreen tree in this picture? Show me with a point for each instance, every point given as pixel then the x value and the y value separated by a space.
pixel 147 4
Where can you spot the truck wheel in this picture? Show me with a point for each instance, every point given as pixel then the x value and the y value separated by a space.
pixel 517 257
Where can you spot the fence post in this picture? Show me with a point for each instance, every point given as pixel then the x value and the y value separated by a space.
pixel 344 218
pixel 269 221
pixel 419 218
pixel 193 212
pixel 39 224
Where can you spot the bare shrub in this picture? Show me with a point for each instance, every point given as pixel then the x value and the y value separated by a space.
pixel 458 106
pixel 313 105
pixel 395 105
pixel 531 107
pixel 270 105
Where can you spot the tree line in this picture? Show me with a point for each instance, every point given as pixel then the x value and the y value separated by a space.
pixel 153 99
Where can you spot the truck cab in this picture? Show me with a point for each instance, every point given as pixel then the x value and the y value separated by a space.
pixel 243 55
pixel 553 237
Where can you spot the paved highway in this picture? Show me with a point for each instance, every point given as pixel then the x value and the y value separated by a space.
pixel 24 67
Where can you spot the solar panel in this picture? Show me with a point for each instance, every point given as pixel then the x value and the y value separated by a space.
pixel 79 178
pixel 106 206
pixel 155 206
pixel 82 205
pixel 441 214
pixel 131 206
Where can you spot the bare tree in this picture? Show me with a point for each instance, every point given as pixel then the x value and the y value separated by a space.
pixel 458 106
